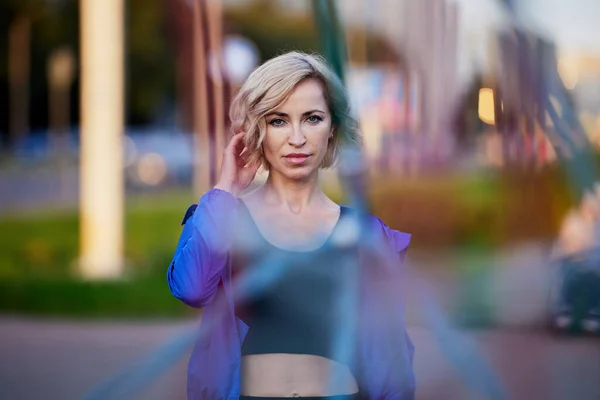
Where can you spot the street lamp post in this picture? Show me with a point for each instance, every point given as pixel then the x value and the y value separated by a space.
pixel 101 179
pixel 201 116
pixel 19 37
pixel 61 69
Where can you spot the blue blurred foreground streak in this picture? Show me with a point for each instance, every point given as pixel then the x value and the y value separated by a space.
pixel 131 380
pixel 352 173
pixel 459 351
pixel 462 353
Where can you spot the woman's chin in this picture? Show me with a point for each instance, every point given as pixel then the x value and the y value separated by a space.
pixel 299 173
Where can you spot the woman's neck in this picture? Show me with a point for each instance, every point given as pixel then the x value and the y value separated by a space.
pixel 294 195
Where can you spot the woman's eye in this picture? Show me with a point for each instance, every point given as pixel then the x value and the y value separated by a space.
pixel 276 122
pixel 314 119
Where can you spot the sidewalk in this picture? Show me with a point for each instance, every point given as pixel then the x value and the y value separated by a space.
pixel 64 360
pixel 45 359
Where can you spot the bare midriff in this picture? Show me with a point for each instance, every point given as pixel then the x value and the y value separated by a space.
pixel 293 375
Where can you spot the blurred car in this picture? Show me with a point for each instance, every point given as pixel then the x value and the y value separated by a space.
pixel 575 301
pixel 152 157
pixel 158 158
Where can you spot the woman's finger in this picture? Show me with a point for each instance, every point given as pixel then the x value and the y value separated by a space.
pixel 239 148
pixel 236 140
pixel 242 159
pixel 232 147
pixel 245 154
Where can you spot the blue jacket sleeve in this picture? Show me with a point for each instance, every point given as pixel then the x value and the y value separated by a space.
pixel 400 379
pixel 203 248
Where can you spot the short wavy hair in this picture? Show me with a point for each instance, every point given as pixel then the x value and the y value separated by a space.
pixel 271 84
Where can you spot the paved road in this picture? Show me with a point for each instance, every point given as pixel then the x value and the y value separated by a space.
pixel 529 365
pixel 29 190
pixel 64 360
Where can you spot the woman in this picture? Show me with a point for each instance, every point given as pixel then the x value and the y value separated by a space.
pixel 291 116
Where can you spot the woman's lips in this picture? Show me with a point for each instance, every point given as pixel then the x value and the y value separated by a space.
pixel 297 159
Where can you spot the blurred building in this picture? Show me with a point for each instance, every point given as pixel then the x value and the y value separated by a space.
pixel 425 34
pixel 430 40
pixel 522 71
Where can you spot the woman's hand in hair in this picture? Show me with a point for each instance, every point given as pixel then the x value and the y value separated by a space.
pixel 236 173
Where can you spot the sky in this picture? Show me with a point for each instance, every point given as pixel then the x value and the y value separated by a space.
pixel 574 24
pixel 571 24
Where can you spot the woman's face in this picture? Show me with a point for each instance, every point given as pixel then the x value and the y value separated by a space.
pixel 298 132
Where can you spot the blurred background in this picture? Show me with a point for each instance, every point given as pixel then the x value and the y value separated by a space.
pixel 481 121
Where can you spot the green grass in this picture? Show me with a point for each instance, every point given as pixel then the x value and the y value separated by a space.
pixel 38 263
pixel 139 298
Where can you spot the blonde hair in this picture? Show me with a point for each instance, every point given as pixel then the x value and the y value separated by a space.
pixel 271 84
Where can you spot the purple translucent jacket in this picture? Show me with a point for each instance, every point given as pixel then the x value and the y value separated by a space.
pixel 200 275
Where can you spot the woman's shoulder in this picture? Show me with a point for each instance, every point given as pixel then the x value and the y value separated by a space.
pixel 397 239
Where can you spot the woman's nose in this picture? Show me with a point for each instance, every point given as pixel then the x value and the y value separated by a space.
pixel 297 138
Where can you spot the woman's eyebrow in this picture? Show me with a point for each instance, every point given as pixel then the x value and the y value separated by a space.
pixel 313 111
pixel 282 114
pixel 277 113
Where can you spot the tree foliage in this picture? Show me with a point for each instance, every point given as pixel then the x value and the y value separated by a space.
pixel 273 31
pixel 55 23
